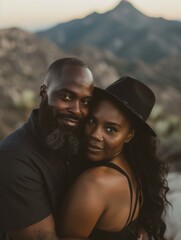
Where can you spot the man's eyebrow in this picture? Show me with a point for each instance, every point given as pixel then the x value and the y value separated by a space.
pixel 66 90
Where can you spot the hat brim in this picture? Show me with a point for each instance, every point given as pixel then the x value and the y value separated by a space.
pixel 98 91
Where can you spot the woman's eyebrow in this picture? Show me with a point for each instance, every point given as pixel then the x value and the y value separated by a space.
pixel 113 123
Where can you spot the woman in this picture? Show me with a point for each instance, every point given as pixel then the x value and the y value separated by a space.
pixel 125 187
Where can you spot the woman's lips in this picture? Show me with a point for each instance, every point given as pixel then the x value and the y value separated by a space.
pixel 94 147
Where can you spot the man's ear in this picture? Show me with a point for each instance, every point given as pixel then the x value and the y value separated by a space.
pixel 43 91
pixel 130 136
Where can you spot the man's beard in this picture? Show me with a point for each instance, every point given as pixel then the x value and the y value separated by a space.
pixel 63 140
pixel 57 137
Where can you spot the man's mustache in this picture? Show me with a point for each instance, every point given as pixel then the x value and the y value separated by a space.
pixel 71 116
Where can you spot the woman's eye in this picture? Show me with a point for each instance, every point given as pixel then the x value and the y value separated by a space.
pixel 90 121
pixel 111 129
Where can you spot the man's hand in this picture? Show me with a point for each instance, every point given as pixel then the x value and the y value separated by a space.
pixel 42 230
pixel 143 235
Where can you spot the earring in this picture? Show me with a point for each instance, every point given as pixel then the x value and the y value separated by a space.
pixel 42 91
pixel 130 137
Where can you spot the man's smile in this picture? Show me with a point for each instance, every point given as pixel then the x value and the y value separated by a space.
pixel 69 121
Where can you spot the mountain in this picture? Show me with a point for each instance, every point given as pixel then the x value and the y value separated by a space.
pixel 106 68
pixel 124 30
pixel 24 52
pixel 24 59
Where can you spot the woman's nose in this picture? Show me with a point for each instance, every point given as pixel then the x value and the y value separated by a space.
pixel 97 133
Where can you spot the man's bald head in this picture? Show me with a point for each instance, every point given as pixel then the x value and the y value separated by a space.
pixel 55 69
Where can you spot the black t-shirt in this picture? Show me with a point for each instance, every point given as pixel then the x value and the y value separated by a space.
pixel 33 179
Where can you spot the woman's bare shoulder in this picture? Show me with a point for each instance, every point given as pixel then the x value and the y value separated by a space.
pixel 93 176
pixel 103 178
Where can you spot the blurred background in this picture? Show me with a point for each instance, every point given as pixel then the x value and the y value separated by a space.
pixel 139 38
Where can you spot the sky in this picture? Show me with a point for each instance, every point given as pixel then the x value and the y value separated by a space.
pixel 40 14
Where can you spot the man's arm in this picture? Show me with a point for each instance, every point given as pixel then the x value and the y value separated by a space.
pixel 23 201
pixel 43 230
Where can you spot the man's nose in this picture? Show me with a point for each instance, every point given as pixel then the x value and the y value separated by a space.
pixel 75 108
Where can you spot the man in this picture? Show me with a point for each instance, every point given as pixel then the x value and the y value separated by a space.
pixel 36 161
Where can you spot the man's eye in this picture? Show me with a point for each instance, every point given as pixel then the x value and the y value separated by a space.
pixel 65 97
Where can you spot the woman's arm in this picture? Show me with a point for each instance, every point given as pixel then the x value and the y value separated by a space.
pixel 84 205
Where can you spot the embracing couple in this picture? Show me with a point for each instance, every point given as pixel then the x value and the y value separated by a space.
pixel 84 166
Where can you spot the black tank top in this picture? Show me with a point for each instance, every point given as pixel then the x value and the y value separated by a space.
pixel 130 230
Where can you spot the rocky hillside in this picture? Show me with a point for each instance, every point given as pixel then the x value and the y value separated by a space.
pixel 106 68
pixel 124 30
pixel 149 48
pixel 24 59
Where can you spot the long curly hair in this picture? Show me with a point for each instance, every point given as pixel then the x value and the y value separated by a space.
pixel 151 172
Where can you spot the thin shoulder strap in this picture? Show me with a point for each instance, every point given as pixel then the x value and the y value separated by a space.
pixel 136 202
pixel 114 166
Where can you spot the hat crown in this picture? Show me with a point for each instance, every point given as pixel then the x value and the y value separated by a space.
pixel 134 94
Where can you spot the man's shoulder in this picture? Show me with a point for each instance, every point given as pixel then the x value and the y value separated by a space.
pixel 19 155
pixel 14 150
pixel 14 140
pixel 23 138
pixel 19 146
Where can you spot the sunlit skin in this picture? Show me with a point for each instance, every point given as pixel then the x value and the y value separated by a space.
pixel 101 196
pixel 70 94
pixel 107 130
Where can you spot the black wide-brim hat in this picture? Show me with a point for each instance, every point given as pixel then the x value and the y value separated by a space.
pixel 134 95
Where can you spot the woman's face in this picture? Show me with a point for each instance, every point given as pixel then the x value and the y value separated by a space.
pixel 107 129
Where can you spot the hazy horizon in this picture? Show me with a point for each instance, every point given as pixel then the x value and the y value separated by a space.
pixel 34 16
